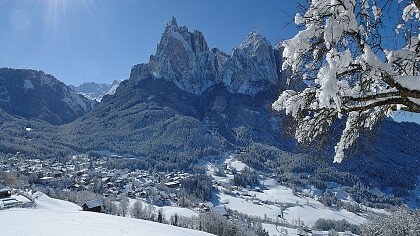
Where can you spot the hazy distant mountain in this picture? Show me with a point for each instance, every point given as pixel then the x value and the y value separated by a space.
pixel 95 91
pixel 34 94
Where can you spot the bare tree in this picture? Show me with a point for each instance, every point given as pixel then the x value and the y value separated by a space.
pixel 123 206
pixel 340 53
pixel 137 209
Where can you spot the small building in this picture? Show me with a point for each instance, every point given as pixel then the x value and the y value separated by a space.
pixel 219 210
pixel 46 180
pixel 5 191
pixel 57 174
pixel 93 205
pixel 174 184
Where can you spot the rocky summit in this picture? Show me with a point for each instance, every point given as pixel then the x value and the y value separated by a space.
pixel 184 58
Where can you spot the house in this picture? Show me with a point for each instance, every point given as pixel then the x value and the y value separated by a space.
pixel 173 184
pixel 93 205
pixel 57 174
pixel 5 191
pixel 219 210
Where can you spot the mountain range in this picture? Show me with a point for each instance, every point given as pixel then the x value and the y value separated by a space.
pixel 95 91
pixel 189 102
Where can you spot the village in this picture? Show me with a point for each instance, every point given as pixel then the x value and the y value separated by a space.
pixel 91 178
pixel 82 173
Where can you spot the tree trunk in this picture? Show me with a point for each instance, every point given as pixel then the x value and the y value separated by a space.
pixel 417 2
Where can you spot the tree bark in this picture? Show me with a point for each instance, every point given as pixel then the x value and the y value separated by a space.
pixel 417 2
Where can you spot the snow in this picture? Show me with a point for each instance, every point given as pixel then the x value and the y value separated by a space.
pixel 268 202
pixel 235 164
pixel 410 11
pixel 168 211
pixel 376 12
pixel 27 84
pixel 114 88
pixel 172 210
pixel 333 65
pixel 298 19
pixel 409 81
pixel 272 230
pixel 55 217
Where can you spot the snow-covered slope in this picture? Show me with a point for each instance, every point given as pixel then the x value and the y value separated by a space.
pixel 56 217
pixel 95 91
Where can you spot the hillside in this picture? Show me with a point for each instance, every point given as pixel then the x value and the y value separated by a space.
pixel 56 217
pixel 34 94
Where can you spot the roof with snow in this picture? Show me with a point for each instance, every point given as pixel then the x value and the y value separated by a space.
pixel 94 203
pixel 4 188
pixel 219 210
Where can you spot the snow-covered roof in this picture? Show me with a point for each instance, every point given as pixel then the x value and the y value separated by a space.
pixel 94 203
pixel 219 210
pixel 4 188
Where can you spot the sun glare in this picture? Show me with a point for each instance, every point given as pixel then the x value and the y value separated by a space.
pixel 57 12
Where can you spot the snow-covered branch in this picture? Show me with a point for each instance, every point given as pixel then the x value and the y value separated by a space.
pixel 349 71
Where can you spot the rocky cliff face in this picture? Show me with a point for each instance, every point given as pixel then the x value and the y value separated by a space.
pixel 252 67
pixel 184 58
pixel 34 94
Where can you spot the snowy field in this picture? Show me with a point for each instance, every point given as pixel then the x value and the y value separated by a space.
pixel 168 211
pixel 55 217
pixel 268 202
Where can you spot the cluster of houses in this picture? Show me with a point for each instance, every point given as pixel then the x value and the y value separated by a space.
pixel 84 173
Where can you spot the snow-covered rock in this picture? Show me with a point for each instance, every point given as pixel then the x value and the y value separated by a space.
pixel 184 58
pixel 95 91
pixel 252 67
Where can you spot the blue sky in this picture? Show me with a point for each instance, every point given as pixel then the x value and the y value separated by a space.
pixel 84 40
pixel 99 40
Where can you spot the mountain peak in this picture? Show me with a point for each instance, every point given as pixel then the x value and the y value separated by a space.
pixel 254 42
pixel 173 22
pixel 252 67
pixel 171 26
pixel 184 58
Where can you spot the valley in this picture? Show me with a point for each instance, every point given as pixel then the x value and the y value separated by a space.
pixel 197 141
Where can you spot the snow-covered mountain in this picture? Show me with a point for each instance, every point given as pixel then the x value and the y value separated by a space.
pixel 181 102
pixel 95 91
pixel 189 101
pixel 34 94
pixel 184 58
pixel 252 67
